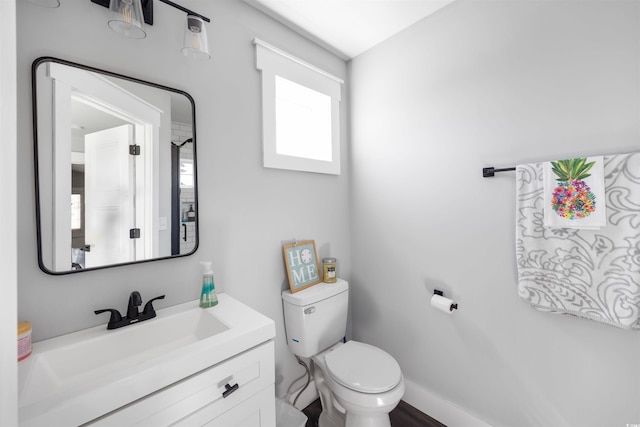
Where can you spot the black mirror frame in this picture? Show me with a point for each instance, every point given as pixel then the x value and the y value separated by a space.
pixel 34 100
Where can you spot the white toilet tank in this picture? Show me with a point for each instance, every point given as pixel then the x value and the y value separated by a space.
pixel 315 318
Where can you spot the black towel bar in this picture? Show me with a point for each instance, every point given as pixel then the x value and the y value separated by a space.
pixel 489 172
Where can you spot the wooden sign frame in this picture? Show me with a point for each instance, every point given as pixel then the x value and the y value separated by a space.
pixel 303 268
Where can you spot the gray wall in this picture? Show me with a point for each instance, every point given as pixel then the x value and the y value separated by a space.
pixel 478 84
pixel 246 211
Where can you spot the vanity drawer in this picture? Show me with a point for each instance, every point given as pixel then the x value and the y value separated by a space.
pixel 203 397
pixel 257 411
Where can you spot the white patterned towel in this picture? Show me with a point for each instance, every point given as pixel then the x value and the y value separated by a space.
pixel 593 274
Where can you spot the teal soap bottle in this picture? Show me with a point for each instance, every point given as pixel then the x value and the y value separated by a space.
pixel 208 296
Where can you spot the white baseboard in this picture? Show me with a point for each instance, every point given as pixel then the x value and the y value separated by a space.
pixel 308 396
pixel 436 407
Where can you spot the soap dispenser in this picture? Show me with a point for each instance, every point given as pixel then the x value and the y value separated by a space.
pixel 191 214
pixel 208 296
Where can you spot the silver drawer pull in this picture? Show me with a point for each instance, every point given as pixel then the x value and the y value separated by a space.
pixel 229 389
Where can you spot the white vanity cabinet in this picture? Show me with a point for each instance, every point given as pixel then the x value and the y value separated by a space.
pixel 237 392
pixel 186 367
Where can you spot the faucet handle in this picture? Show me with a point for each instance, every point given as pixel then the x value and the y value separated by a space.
pixel 135 300
pixel 115 315
pixel 148 307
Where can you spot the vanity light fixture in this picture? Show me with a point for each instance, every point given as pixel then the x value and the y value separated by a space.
pixel 196 45
pixel 125 17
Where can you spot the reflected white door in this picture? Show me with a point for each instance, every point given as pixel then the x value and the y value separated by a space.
pixel 110 193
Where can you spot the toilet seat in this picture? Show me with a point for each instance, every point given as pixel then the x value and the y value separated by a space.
pixel 363 368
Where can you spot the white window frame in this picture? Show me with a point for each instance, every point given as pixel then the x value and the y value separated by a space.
pixel 273 62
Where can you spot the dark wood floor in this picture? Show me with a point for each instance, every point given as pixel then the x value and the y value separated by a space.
pixel 404 415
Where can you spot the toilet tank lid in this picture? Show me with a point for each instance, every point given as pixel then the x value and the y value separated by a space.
pixel 315 293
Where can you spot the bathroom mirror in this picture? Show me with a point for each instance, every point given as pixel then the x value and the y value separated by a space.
pixel 115 164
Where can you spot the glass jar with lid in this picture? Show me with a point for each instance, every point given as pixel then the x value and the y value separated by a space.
pixel 329 270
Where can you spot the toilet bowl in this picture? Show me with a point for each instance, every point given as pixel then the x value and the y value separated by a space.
pixel 359 385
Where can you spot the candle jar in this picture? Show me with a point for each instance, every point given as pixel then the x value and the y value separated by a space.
pixel 329 270
pixel 24 340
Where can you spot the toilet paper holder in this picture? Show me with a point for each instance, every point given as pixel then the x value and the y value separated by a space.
pixel 454 306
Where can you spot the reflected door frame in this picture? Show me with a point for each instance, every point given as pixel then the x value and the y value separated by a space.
pixel 101 93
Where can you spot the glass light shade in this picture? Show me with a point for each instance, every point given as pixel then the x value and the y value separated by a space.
pixel 46 3
pixel 196 44
pixel 126 18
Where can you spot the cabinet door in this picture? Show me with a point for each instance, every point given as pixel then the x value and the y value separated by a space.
pixel 204 396
pixel 257 411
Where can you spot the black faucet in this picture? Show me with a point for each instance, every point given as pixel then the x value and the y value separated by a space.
pixel 135 300
pixel 133 315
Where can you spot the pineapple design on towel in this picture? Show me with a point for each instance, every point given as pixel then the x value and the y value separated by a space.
pixel 572 197
pixel 573 193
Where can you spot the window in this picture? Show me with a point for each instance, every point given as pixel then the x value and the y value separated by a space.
pixel 301 113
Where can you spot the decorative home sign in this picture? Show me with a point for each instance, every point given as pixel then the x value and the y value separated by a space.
pixel 302 265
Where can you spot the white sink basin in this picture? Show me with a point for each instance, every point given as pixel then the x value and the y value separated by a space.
pixel 78 377
pixel 104 352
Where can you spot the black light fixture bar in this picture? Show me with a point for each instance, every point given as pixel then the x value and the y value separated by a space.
pixel 147 9
pixel 184 9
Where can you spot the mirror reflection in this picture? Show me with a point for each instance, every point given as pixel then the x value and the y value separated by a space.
pixel 116 168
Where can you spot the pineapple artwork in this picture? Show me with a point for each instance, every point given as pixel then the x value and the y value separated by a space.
pixel 572 198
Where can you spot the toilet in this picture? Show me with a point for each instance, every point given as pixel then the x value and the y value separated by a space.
pixel 359 384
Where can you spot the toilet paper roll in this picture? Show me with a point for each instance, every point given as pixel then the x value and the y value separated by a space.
pixel 442 304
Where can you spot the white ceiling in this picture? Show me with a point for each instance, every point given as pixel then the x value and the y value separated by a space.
pixel 348 27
